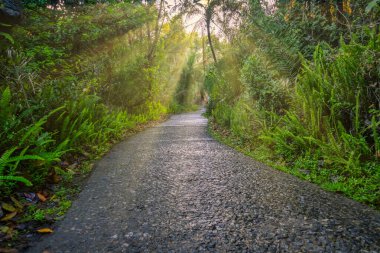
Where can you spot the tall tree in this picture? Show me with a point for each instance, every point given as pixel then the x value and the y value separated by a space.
pixel 211 13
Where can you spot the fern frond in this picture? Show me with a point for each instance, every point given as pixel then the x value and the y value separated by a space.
pixel 16 178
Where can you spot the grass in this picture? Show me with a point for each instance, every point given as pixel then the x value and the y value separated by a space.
pixel 61 194
pixel 364 190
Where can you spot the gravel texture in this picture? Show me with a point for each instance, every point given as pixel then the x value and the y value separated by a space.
pixel 172 188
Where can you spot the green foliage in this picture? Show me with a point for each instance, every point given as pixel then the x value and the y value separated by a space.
pixel 268 94
pixel 27 148
pixel 189 89
pixel 346 92
pixel 59 205
pixel 73 86
pixel 68 30
pixel 373 6
pixel 185 82
pixel 16 178
pixel 306 100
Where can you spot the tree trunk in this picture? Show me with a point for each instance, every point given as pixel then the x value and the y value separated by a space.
pixel 157 31
pixel 203 53
pixel 209 40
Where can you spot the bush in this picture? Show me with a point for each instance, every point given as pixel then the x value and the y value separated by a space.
pixel 267 93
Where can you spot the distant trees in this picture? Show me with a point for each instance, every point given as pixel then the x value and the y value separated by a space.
pixel 213 12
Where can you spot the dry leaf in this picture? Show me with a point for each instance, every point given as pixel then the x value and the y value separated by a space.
pixel 8 207
pixel 4 229
pixel 41 197
pixel 17 203
pixel 45 230
pixel 4 250
pixel 55 178
pixel 64 164
pixel 9 216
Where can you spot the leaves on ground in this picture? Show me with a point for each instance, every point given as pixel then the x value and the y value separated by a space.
pixel 8 207
pixel 9 216
pixel 17 203
pixel 4 229
pixel 45 230
pixel 8 250
pixel 41 197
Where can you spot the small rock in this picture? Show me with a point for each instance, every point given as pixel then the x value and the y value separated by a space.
pixel 64 164
pixel 129 235
pixel 334 179
pixel 31 197
pixel 305 172
pixel 21 226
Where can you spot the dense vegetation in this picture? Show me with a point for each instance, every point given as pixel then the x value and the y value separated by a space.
pixel 304 93
pixel 74 84
pixel 74 80
pixel 295 85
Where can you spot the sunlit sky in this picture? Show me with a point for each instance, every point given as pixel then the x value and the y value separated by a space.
pixel 190 22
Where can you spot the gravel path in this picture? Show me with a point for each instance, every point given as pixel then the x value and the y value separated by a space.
pixel 172 188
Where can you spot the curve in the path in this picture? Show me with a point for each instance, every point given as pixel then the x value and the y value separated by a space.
pixel 173 188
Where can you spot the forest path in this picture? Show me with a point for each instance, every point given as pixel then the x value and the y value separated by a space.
pixel 174 188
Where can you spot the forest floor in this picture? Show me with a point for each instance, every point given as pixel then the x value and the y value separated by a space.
pixel 174 188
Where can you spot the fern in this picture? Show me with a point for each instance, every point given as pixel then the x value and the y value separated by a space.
pixel 5 107
pixel 16 178
pixel 6 160
pixel 5 100
pixel 375 134
pixel 33 130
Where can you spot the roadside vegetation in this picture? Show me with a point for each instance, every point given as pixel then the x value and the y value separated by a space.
pixel 294 85
pixel 74 80
pixel 299 90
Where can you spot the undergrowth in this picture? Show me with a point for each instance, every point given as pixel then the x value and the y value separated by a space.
pixel 306 105
pixel 73 87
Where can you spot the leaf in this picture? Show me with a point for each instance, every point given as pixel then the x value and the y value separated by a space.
pixel 4 229
pixel 9 216
pixel 17 203
pixel 45 230
pixel 41 197
pixel 371 6
pixel 8 207
pixel 55 178
pixel 8 250
pixel 16 178
pixel 8 37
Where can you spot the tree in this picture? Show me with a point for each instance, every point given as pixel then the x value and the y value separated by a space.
pixel 210 10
